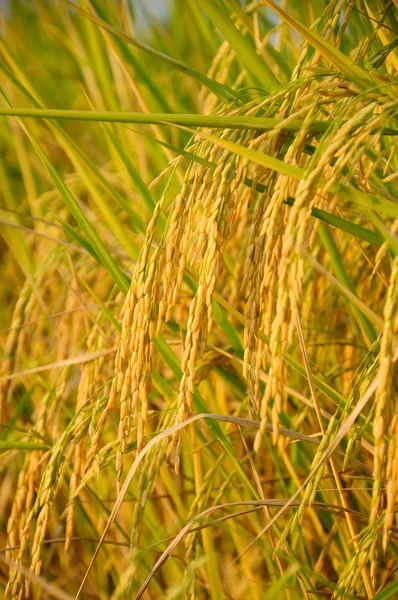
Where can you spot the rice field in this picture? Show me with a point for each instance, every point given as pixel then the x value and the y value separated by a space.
pixel 198 300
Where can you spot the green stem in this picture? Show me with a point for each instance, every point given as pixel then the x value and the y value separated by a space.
pixel 187 120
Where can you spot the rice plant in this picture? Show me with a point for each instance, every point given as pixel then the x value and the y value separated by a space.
pixel 199 299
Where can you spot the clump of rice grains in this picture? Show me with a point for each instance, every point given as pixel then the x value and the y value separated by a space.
pixel 210 208
pixel 225 268
pixel 211 201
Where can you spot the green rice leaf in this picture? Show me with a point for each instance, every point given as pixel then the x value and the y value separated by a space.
pixel 245 51
pixel 220 90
